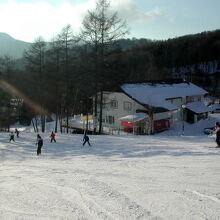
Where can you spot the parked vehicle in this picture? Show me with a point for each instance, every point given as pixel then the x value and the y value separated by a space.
pixel 209 130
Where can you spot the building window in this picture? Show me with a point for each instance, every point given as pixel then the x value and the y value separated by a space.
pixel 170 100
pixel 127 106
pixel 103 120
pixel 189 99
pixel 110 119
pixel 114 104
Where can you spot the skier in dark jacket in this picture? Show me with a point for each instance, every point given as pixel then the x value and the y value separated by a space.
pixel 39 144
pixel 17 132
pixel 12 137
pixel 86 139
pixel 217 131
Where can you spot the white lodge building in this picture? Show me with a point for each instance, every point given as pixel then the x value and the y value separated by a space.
pixel 145 108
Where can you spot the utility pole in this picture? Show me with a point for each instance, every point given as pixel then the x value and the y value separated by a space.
pixel 183 127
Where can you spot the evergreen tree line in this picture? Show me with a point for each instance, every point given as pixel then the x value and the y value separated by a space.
pixel 154 59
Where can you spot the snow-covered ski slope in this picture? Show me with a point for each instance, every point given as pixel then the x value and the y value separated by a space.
pixel 119 177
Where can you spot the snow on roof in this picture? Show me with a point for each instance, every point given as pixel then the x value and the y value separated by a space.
pixel 214 107
pixel 134 117
pixel 198 107
pixel 156 94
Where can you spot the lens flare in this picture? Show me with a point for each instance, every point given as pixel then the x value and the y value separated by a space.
pixel 13 91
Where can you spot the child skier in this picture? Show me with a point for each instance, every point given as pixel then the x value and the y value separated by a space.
pixel 12 137
pixel 52 137
pixel 86 139
pixel 17 132
pixel 39 144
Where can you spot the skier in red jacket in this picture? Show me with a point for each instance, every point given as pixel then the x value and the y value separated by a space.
pixel 52 137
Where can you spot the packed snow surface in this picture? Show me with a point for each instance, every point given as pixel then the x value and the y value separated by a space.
pixel 119 177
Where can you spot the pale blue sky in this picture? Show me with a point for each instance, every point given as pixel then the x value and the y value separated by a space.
pixel 180 17
pixel 154 19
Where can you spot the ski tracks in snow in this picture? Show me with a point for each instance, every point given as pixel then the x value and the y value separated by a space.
pixel 65 195
pixel 114 202
pixel 100 201
pixel 205 196
pixel 200 201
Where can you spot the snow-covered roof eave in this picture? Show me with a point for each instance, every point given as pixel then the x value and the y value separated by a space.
pixel 214 107
pixel 198 107
pixel 165 105
pixel 134 118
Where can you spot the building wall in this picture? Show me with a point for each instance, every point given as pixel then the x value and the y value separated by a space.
pixel 118 109
pixel 177 115
pixel 162 115
pixel 117 105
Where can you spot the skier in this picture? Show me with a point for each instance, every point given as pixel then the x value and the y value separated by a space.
pixel 17 132
pixel 12 137
pixel 39 144
pixel 86 139
pixel 217 132
pixel 52 136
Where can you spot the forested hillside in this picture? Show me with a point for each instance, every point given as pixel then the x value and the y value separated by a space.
pixel 160 56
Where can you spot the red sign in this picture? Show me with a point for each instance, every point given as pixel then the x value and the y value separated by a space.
pixel 127 124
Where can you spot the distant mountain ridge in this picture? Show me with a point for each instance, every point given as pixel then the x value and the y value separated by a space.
pixel 15 48
pixel 12 47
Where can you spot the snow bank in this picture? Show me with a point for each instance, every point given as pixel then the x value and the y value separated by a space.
pixel 195 129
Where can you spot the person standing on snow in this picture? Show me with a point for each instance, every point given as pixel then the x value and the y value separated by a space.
pixel 17 132
pixel 217 132
pixel 86 139
pixel 39 144
pixel 52 136
pixel 12 137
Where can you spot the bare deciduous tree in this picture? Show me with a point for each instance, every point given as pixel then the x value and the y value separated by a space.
pixel 100 29
pixel 35 59
pixel 67 39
